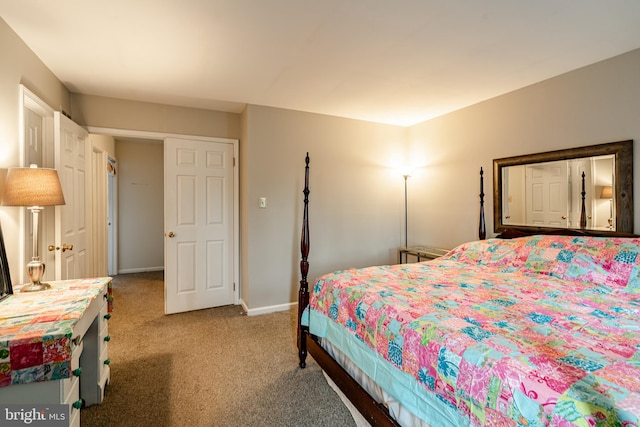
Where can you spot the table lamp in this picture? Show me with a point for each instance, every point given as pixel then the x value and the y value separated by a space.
pixel 33 188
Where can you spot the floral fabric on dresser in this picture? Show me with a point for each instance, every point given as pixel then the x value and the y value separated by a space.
pixel 36 329
pixel 541 330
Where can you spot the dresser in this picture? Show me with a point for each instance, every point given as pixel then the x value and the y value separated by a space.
pixel 54 345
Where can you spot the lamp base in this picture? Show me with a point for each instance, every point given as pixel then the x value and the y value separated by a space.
pixel 35 287
pixel 35 271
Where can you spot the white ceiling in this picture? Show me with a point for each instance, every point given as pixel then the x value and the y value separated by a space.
pixel 390 61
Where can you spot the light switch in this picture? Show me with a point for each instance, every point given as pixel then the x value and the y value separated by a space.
pixel 263 202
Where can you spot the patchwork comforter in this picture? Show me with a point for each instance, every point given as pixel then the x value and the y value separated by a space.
pixel 542 330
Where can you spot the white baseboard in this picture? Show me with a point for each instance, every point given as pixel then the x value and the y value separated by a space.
pixel 267 309
pixel 140 270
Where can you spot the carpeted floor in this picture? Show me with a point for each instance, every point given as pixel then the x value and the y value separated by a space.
pixel 215 367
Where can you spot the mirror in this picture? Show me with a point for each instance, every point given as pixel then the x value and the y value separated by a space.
pixel 588 189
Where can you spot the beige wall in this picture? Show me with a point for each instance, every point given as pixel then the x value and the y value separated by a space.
pixel 140 206
pixel 106 143
pixel 104 112
pixel 355 201
pixel 596 104
pixel 357 192
pixel 19 66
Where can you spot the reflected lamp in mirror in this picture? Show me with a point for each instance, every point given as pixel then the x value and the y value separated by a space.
pixel 33 188
pixel 607 193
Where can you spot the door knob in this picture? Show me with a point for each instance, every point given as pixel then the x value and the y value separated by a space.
pixel 564 217
pixel 66 247
pixel 53 248
pixel 170 235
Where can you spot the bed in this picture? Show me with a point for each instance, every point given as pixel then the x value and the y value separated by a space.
pixel 534 330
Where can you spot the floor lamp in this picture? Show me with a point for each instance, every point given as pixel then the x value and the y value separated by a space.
pixel 406 213
pixel 33 188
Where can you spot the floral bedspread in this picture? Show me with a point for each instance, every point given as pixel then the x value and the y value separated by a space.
pixel 541 330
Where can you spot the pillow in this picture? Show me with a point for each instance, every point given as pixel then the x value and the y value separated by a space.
pixel 490 253
pixel 609 261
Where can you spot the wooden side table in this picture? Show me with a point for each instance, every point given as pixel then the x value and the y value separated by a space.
pixel 421 253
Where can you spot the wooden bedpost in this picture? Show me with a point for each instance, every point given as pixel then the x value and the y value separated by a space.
pixel 303 293
pixel 482 230
pixel 583 210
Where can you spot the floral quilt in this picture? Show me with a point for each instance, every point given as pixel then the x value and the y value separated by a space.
pixel 541 330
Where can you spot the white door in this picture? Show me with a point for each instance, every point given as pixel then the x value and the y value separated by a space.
pixel 99 220
pixel 199 195
pixel 547 187
pixel 72 218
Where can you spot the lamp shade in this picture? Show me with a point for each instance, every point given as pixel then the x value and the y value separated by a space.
pixel 32 187
pixel 607 192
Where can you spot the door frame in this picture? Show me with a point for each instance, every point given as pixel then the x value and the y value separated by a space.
pixel 128 133
pixel 31 101
pixel 112 231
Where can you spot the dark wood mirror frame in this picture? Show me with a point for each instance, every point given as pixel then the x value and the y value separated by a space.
pixel 623 153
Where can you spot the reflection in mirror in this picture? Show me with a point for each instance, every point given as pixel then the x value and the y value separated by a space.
pixel 549 194
pixel 539 192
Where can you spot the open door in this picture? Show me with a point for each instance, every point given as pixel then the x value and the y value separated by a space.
pixel 199 224
pixel 71 219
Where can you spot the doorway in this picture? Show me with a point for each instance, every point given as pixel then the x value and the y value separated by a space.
pixel 138 185
pixel 140 205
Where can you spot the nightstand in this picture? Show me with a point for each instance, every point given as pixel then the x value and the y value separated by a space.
pixel 420 253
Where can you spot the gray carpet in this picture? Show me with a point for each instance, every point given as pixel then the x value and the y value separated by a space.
pixel 214 367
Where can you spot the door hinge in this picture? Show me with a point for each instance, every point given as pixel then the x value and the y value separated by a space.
pixel 234 162
pixel 234 286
